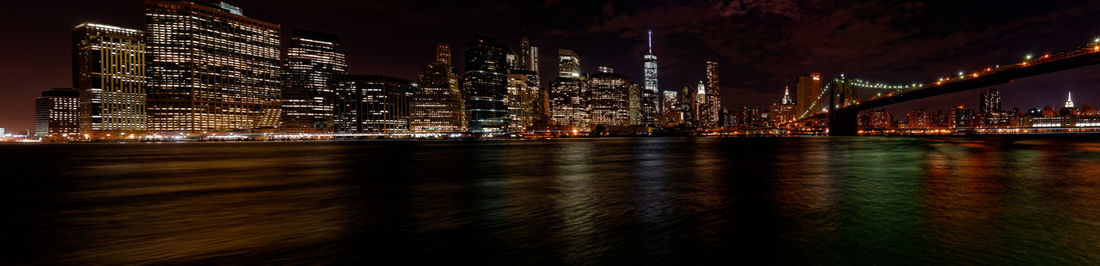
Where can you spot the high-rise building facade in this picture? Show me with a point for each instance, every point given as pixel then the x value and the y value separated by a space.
pixel 713 96
pixel 807 93
pixel 210 68
pixel 523 100
pixel 650 98
pixel 372 104
pixel 782 112
pixel 486 86
pixel 437 104
pixel 568 99
pixel 109 72
pixel 569 64
pixel 57 113
pixel 990 101
pixel 312 61
pixel 608 99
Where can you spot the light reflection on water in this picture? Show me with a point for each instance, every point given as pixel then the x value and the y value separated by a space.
pixel 599 201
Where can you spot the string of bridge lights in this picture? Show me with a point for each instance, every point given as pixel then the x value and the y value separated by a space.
pixel 1093 47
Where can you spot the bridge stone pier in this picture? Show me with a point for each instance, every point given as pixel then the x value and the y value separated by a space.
pixel 844 123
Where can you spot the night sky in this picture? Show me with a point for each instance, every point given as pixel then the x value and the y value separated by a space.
pixel 762 45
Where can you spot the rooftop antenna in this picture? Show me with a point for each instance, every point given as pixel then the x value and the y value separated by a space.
pixel 650 41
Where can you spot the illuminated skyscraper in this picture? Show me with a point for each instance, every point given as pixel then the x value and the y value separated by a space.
pixel 650 102
pixel 569 64
pixel 57 113
pixel 569 103
pixel 609 98
pixel 808 92
pixel 486 85
pixel 700 104
pixel 523 97
pixel 437 105
pixel 109 71
pixel 210 68
pixel 783 112
pixel 990 102
pixel 713 99
pixel 311 64
pixel 372 104
pixel 1069 100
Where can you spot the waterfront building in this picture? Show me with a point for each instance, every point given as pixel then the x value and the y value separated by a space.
pixel 713 95
pixel 569 103
pixel 372 104
pixel 672 115
pixel 807 93
pixel 881 119
pixel 961 117
pixel 649 107
pixel 224 77
pixel 437 104
pixel 311 63
pixel 783 112
pixel 990 101
pixel 57 113
pixel 109 73
pixel 751 117
pixel 485 86
pixel 609 99
pixel 523 100
pixel 921 119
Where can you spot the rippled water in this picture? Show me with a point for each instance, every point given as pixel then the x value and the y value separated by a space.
pixel 590 201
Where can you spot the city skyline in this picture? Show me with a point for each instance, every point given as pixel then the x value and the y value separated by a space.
pixel 736 90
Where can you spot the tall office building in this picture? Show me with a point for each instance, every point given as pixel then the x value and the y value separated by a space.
pixel 568 94
pixel 529 58
pixel 372 104
pixel 523 100
pixel 437 105
pixel 700 105
pixel 109 72
pixel 57 113
pixel 311 63
pixel 651 102
pixel 635 104
pixel 713 99
pixel 485 85
pixel 210 68
pixel 782 112
pixel 569 64
pixel 568 98
pixel 807 93
pixel 608 99
pixel 990 101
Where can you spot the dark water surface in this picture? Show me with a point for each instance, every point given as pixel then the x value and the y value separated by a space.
pixel 596 201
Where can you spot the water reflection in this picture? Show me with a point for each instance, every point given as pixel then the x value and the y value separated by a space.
pixel 586 201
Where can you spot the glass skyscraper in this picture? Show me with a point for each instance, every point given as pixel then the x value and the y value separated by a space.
pixel 650 100
pixel 311 64
pixel 485 85
pixel 372 104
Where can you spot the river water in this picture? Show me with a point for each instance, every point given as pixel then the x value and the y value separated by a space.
pixel 815 200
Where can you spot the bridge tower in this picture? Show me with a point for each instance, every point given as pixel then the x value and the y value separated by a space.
pixel 842 121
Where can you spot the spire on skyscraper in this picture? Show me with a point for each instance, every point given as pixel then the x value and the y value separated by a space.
pixel 787 95
pixel 1069 100
pixel 650 41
